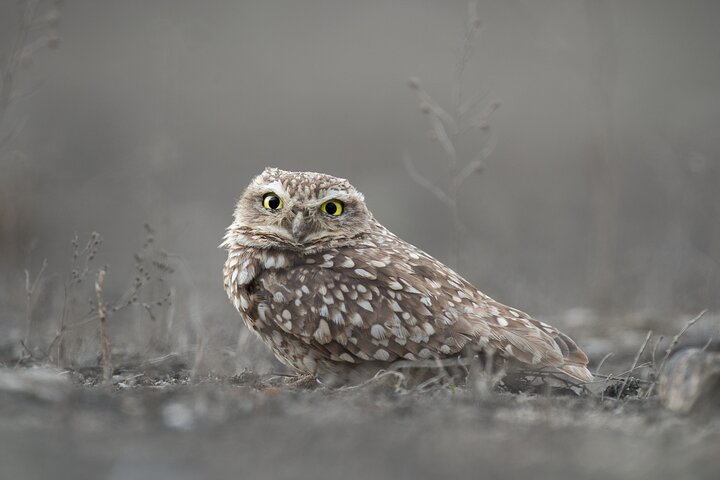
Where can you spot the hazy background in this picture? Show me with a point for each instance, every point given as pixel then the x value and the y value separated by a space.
pixel 601 194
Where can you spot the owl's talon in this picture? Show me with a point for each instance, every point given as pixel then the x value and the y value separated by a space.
pixel 302 382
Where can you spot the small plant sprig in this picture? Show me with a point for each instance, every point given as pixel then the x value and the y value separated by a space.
pixel 148 291
pixel 446 126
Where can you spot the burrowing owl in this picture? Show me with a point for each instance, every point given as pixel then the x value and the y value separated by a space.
pixel 332 291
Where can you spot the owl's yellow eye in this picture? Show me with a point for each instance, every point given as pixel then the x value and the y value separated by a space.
pixel 272 202
pixel 332 207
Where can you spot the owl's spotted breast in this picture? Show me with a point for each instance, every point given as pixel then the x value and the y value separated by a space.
pixel 360 297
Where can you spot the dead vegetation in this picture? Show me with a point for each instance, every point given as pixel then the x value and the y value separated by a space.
pixel 86 319
pixel 79 305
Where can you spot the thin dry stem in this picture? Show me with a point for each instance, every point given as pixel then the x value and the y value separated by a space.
pixel 635 362
pixel 30 288
pixel 602 362
pixel 671 347
pixel 104 340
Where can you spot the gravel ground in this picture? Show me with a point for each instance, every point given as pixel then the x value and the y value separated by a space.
pixel 60 424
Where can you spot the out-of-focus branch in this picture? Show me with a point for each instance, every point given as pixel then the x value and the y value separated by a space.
pixel 446 127
pixel 424 182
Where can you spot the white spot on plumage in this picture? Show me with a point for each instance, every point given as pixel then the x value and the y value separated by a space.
pixel 502 321
pixel 377 263
pixel 432 283
pixel 322 334
pixel 244 303
pixel 324 311
pixel 245 277
pixel 425 353
pixel 286 314
pixel 357 320
pixel 365 304
pixel 381 355
pixel 347 263
pixel 338 319
pixel 364 273
pixel 377 331
pixel 346 357
pixel 261 309
pixel 395 285
pixel 426 301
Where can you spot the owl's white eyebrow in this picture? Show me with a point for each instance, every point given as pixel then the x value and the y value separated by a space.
pixel 333 195
pixel 276 187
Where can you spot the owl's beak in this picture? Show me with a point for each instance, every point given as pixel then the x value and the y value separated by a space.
pixel 300 226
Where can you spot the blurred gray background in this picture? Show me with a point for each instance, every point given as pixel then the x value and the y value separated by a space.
pixel 601 193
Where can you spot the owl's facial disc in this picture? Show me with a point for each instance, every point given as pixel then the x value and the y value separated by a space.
pixel 299 210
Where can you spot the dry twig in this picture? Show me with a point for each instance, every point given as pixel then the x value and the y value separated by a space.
pixel 635 362
pixel 104 340
pixel 671 347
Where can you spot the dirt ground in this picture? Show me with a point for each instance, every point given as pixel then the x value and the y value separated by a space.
pixel 162 425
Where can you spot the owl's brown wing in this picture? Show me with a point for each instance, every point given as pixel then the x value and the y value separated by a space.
pixel 386 300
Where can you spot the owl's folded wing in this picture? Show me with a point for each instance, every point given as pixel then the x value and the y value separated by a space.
pixel 370 304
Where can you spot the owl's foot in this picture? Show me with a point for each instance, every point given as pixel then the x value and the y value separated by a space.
pixel 302 382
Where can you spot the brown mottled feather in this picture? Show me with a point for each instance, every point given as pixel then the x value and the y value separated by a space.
pixel 351 293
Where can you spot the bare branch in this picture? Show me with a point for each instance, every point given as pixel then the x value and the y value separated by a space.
pixel 424 182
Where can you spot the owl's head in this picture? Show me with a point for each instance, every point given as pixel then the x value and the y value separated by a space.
pixel 298 210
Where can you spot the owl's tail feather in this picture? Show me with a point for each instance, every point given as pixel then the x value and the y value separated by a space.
pixel 578 372
pixel 516 336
